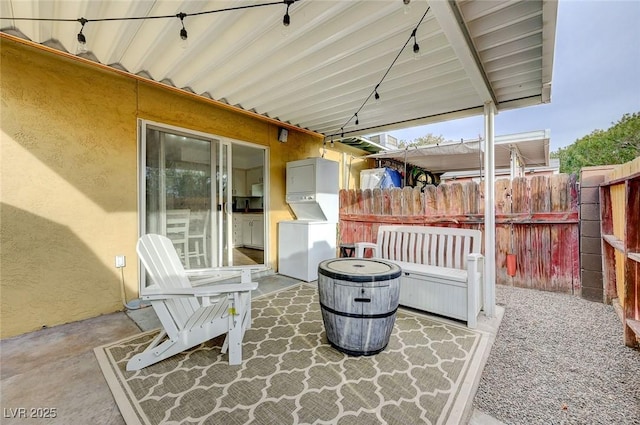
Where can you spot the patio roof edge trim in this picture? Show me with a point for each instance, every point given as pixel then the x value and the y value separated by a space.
pixel 550 17
pixel 42 47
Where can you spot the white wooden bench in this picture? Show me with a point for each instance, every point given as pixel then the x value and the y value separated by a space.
pixel 441 268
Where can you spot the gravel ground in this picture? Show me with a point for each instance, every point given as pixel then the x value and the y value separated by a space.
pixel 559 359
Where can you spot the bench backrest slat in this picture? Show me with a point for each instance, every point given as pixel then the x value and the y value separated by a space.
pixel 437 246
pixel 467 245
pixel 433 249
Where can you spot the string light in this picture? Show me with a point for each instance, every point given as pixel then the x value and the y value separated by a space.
pixel 287 19
pixel 407 6
pixel 82 40
pixel 183 31
pixel 374 93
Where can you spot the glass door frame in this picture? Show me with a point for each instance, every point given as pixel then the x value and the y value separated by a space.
pixel 223 200
pixel 223 142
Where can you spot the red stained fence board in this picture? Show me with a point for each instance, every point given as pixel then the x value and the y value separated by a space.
pixel 537 220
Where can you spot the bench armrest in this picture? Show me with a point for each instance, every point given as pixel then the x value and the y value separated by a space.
pixel 475 263
pixel 475 290
pixel 361 246
pixel 475 257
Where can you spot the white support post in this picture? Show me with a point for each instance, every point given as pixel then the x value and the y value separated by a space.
pixel 489 212
pixel 517 162
pixel 514 163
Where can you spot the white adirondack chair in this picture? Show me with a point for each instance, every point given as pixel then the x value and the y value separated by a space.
pixel 190 315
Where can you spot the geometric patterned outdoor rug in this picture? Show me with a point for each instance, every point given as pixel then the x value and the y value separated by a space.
pixel 291 375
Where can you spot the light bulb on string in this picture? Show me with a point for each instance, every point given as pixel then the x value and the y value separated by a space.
pixel 82 40
pixel 184 37
pixel 406 6
pixel 416 54
pixel 286 20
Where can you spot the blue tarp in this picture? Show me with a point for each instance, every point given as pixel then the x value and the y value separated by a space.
pixel 391 178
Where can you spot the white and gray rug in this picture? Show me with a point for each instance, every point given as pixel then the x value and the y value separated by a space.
pixel 291 375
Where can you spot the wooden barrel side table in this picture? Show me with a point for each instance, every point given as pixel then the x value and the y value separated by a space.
pixel 359 300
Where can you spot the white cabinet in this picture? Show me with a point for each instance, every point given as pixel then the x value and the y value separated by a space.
pixel 257 233
pixel 237 224
pixel 239 182
pixel 303 245
pixel 243 180
pixel 246 232
pixel 253 230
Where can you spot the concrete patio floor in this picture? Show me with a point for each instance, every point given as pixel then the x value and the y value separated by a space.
pixel 55 369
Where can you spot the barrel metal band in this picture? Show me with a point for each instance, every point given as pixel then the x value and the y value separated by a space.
pixel 359 316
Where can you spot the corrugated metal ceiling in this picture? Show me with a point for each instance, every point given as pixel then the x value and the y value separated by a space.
pixel 318 74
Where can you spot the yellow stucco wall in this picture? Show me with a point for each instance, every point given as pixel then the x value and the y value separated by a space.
pixel 68 188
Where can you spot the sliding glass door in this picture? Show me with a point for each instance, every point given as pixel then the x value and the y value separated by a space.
pixel 178 193
pixel 192 184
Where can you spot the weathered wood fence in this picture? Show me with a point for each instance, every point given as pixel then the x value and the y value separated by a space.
pixel 537 220
pixel 620 219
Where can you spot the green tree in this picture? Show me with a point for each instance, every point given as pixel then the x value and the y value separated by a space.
pixel 616 145
pixel 428 139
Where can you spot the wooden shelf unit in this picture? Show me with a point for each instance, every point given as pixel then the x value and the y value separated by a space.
pixel 620 223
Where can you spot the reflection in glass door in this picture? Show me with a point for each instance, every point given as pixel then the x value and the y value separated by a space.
pixel 178 194
pixel 192 185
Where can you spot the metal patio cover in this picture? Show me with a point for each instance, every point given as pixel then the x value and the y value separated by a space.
pixel 333 54
pixel 532 148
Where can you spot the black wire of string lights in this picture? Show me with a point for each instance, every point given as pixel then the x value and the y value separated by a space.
pixel 374 93
pixel 286 21
pixel 82 39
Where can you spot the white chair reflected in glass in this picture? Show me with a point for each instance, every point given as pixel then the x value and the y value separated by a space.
pixel 198 234
pixel 178 232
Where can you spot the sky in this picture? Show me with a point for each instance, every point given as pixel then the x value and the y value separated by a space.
pixel 595 81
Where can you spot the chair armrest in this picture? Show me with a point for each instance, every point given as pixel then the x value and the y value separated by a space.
pixel 203 277
pixel 361 246
pixel 201 291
